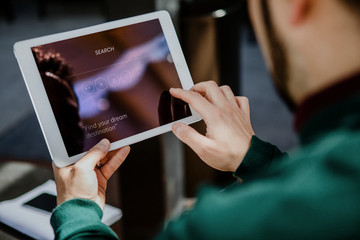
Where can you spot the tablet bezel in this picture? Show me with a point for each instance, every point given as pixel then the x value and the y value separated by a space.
pixel 40 101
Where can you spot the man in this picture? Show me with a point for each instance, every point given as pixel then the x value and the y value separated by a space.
pixel 312 49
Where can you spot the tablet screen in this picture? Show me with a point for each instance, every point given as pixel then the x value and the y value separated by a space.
pixel 111 84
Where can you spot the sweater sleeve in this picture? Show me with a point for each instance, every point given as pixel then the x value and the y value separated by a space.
pixel 216 213
pixel 80 219
pixel 260 156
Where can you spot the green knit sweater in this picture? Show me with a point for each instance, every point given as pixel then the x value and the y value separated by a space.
pixel 314 193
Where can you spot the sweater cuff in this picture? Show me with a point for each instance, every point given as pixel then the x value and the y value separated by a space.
pixel 258 157
pixel 81 210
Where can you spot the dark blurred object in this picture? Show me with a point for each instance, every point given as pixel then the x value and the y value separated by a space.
pixel 7 10
pixel 211 40
pixel 210 34
pixel 115 9
pixel 142 190
pixel 43 12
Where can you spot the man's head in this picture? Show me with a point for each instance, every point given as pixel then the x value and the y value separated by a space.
pixel 307 44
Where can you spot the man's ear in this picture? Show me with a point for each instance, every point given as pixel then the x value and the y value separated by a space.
pixel 299 11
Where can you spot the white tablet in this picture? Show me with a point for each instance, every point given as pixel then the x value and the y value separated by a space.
pixel 106 81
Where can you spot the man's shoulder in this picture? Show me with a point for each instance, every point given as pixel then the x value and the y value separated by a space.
pixel 336 150
pixel 334 142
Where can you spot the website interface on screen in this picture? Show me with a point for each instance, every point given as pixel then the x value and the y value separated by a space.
pixel 112 84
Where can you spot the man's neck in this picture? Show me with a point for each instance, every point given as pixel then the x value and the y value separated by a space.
pixel 329 50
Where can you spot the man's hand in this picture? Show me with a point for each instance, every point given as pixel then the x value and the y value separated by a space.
pixel 227 118
pixel 84 179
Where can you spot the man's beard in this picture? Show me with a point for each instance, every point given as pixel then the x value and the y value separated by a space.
pixel 280 72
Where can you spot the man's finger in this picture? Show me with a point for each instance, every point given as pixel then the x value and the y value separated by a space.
pixel 211 91
pixel 115 162
pixel 190 137
pixel 229 95
pixel 196 101
pixel 243 103
pixel 94 155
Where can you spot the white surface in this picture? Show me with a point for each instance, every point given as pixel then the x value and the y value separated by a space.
pixel 11 172
pixel 41 103
pixel 36 223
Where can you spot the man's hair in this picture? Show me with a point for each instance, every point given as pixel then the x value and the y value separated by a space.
pixel 353 5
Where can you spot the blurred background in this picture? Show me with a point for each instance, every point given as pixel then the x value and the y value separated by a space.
pixel 219 45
